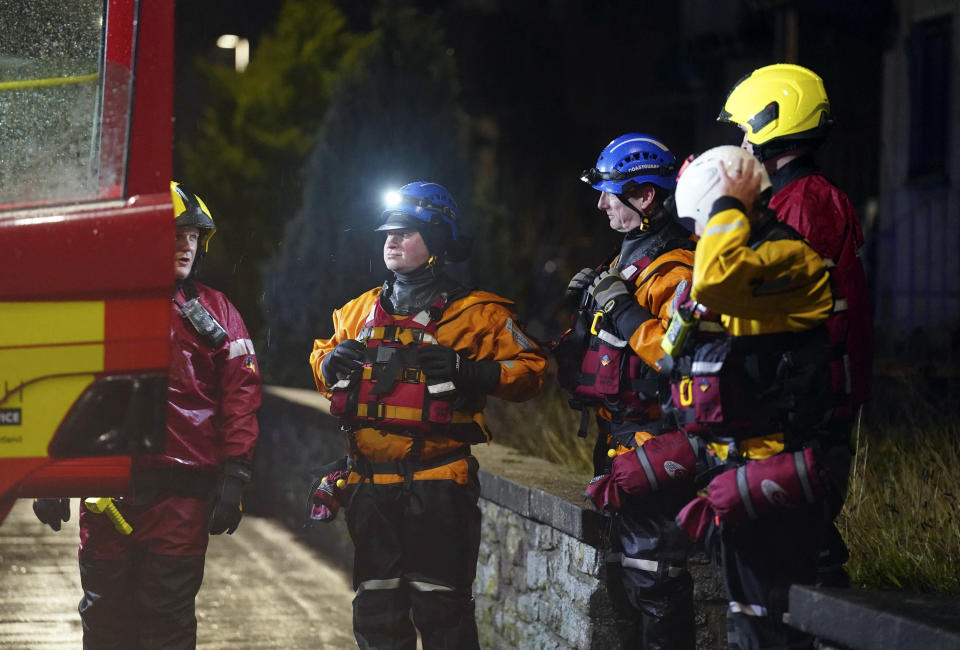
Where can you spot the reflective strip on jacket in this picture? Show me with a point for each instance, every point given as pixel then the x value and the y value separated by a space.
pixel 479 326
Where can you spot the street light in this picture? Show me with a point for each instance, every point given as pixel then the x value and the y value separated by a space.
pixel 240 47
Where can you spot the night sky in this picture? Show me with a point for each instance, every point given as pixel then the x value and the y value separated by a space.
pixel 563 78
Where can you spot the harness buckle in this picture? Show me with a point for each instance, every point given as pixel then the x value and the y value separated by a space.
pixel 384 354
pixel 376 410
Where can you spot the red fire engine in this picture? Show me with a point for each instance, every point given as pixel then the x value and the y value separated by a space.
pixel 86 230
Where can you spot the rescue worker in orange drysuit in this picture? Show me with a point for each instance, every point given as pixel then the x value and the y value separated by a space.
pixel 407 370
pixel 139 589
pixel 607 361
pixel 785 116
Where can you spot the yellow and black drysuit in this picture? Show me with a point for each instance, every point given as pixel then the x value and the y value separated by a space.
pixel 609 364
pixel 753 383
pixel 412 493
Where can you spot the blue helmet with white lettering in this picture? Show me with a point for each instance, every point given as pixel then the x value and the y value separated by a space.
pixel 632 159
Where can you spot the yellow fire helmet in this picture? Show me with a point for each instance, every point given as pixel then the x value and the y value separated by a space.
pixel 779 102
pixel 190 210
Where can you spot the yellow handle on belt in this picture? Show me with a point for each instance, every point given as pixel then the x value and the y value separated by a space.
pixel 106 506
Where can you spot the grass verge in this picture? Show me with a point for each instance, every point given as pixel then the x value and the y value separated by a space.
pixel 902 516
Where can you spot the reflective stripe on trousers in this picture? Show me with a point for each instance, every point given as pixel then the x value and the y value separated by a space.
pixel 394 583
pixel 644 565
pixel 748 610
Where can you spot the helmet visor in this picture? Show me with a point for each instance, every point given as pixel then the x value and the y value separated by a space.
pixel 396 220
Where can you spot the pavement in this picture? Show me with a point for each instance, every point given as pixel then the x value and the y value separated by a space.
pixel 262 588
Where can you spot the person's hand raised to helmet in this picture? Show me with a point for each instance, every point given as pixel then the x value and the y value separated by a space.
pixel 741 181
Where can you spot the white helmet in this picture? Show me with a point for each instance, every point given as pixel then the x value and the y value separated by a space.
pixel 699 183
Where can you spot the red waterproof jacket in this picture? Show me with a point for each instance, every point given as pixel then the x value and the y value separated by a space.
pixel 823 214
pixel 212 400
pixel 213 394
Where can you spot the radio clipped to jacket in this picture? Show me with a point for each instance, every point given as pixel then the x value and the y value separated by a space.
pixel 207 327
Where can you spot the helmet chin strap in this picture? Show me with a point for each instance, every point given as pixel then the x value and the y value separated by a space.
pixel 644 219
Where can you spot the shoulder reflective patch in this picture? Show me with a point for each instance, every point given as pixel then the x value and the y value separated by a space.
pixel 240 347
pixel 518 336
pixel 510 364
pixel 722 229
pixel 373 310
pixel 423 318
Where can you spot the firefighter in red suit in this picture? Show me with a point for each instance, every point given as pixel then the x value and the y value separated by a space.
pixel 407 369
pixel 784 113
pixel 139 589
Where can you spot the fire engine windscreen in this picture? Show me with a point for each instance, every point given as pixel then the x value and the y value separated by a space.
pixel 63 107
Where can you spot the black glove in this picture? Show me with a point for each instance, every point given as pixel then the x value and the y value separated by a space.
pixel 225 510
pixel 583 279
pixel 52 512
pixel 615 297
pixel 347 357
pixel 443 363
pixel 609 290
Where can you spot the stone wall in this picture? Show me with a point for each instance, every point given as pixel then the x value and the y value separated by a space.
pixel 539 576
pixel 537 587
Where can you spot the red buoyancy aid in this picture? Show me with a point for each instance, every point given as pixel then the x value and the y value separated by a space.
pixel 600 369
pixel 610 374
pixel 728 388
pixel 391 392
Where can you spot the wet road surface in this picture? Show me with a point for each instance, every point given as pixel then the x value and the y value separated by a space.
pixel 262 588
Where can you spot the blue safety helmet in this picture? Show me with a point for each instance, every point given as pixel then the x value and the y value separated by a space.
pixel 632 159
pixel 430 209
